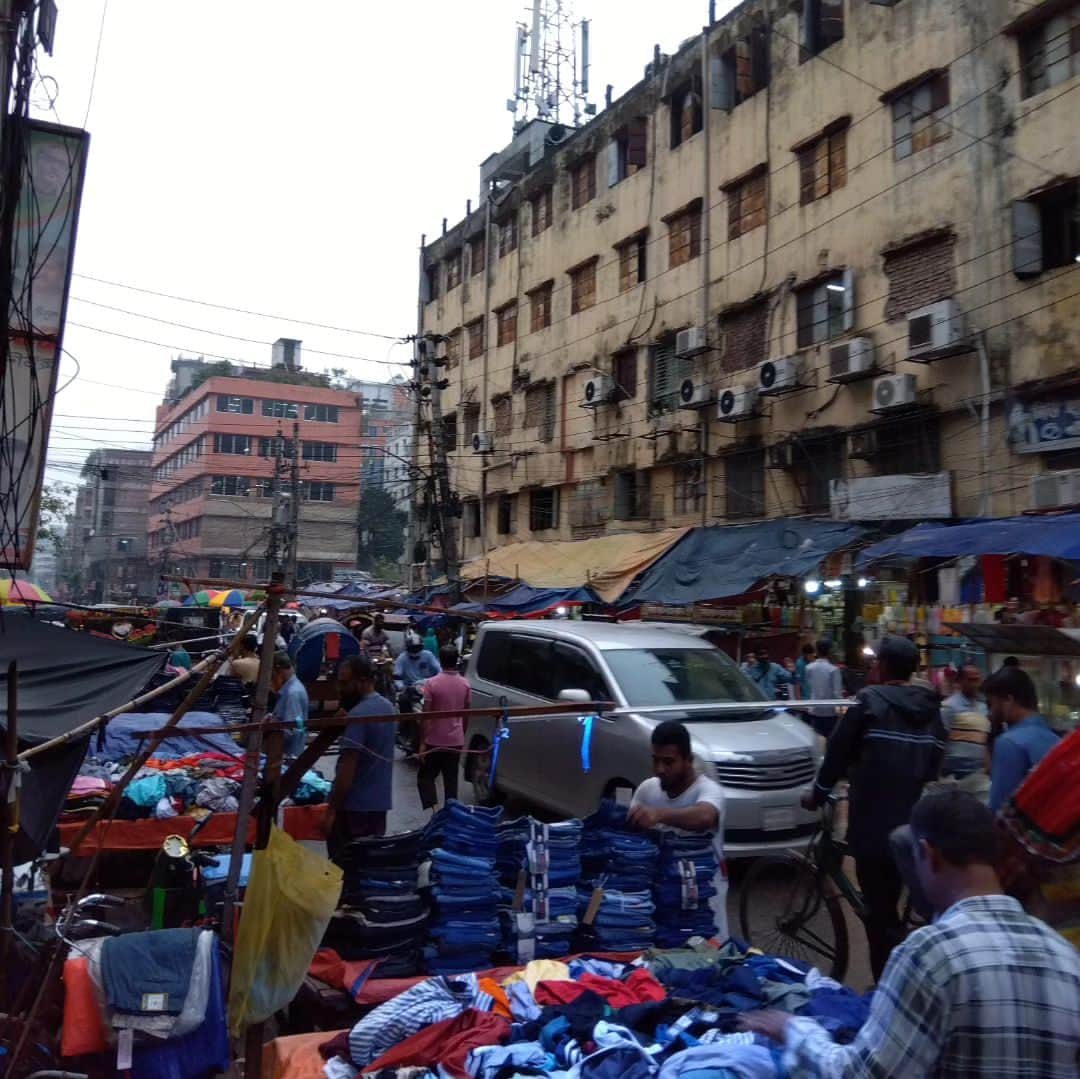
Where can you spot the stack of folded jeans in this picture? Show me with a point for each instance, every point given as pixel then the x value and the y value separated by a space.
pixel 382 914
pixel 464 927
pixel 624 921
pixel 684 885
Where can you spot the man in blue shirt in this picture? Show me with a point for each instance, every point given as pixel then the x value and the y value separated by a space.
pixel 765 674
pixel 414 664
pixel 1013 703
pixel 362 792
pixel 291 705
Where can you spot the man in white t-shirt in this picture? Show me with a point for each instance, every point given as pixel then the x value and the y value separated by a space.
pixel 679 799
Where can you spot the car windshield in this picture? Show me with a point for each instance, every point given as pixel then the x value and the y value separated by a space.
pixel 657 676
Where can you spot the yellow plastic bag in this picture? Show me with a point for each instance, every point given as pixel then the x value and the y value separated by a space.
pixel 291 896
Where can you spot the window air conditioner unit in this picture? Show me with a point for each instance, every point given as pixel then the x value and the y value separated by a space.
pixel 482 442
pixel 863 445
pixel 779 455
pixel 892 392
pixel 739 403
pixel 780 375
pixel 1055 489
pixel 694 393
pixel 933 330
pixel 852 360
pixel 599 390
pixel 691 342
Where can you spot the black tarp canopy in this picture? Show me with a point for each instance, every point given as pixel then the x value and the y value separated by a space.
pixel 65 678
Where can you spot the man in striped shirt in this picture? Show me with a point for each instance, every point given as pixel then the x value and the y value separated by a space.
pixel 985 992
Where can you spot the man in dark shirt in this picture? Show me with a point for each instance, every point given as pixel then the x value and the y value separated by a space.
pixel 889 743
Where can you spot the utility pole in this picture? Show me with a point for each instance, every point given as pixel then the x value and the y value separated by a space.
pixel 413 533
pixel 293 534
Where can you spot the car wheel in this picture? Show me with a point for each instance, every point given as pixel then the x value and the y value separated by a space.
pixel 478 771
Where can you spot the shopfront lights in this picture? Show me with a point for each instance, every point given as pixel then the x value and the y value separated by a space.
pixel 834 287
pixel 869 652
pixel 834 583
pixel 862 582
pixel 812 587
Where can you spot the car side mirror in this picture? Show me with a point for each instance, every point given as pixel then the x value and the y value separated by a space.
pixel 574 696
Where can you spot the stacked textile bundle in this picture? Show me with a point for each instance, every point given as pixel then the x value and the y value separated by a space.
pixel 382 914
pixel 549 855
pixel 464 927
pixel 622 862
pixel 684 885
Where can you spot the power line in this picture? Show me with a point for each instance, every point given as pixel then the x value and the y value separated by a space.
pixel 97 57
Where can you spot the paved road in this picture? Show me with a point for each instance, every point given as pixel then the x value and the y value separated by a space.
pixel 407 815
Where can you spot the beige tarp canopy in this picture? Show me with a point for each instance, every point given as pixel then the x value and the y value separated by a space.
pixel 607 563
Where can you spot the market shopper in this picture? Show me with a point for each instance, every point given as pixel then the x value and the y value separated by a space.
pixel 375 639
pixel 362 791
pixel 825 682
pixel 889 743
pixel 765 674
pixel 1013 704
pixel 442 740
pixel 680 799
pixel 246 665
pixel 291 705
pixel 806 657
pixel 965 698
pixel 414 664
pixel 985 991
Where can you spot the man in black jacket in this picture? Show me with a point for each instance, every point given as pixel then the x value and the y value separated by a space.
pixel 889 743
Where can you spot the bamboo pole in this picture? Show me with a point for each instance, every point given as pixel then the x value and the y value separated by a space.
pixel 10 814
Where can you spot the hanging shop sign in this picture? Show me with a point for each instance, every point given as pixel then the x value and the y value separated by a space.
pixel 884 498
pixel 1044 426
pixel 695 613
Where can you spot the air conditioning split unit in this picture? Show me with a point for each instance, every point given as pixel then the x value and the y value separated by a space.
pixel 599 390
pixel 934 331
pixel 738 403
pixel 694 394
pixel 1054 489
pixel 892 392
pixel 780 375
pixel 482 442
pixel 851 360
pixel 691 342
pixel 863 445
pixel 780 455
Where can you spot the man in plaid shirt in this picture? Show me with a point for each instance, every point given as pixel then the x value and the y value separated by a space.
pixel 985 991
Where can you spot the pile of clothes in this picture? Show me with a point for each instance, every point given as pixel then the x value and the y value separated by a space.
pixel 539 866
pixel 622 862
pixel 669 1014
pixel 684 884
pixel 382 914
pixel 463 932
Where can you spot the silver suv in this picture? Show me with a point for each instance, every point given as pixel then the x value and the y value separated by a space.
pixel 765 761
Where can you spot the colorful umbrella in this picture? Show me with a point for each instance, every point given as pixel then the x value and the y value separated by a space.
pixel 16 593
pixel 231 597
pixel 199 599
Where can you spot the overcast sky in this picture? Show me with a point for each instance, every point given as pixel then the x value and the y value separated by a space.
pixel 283 158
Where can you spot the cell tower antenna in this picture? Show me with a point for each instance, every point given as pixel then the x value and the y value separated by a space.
pixel 551 66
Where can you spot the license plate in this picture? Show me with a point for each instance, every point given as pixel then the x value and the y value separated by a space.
pixel 778 819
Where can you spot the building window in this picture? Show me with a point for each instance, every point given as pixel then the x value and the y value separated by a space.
pixel 431 283
pixel 625 373
pixel 475 331
pixel 907 446
pixel 747 204
pixel 264 488
pixel 472 422
pixel 686 112
pixel 583 182
pixel 242 405
pixel 824 310
pixel 542 214
pixel 919 274
pixel 628 151
pixel 689 488
pixel 280 410
pixel 823 165
pixel 502 409
pixel 506 515
pixel 1050 52
pixel 307 572
pixel 920 115
pixel 230 485
pixel 583 286
pixel 631 254
pixel 449 432
pixel 321 413
pixel 816 463
pixel 544 509
pixel 744 336
pixel 684 235
pixel 453 349
pixel 540 410
pixel 506 231
pixel 506 324
pixel 274 445
pixel 744 484
pixel 315 491
pixel 1046 230
pixel 540 306
pixel 743 69
pixel 453 271
pixel 666 373
pixel 477 254
pixel 823 25
pixel 232 444
pixel 632 496
pixel 470 513
pixel 319 451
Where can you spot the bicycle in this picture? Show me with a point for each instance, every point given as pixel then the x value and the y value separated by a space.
pixel 809 890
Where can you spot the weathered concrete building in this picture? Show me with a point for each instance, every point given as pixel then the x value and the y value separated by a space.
pixel 823 260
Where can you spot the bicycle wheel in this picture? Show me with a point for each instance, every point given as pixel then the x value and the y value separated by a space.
pixel 783 911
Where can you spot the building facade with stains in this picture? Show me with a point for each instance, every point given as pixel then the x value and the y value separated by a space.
pixel 824 260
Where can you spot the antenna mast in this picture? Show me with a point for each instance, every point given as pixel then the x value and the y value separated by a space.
pixel 551 66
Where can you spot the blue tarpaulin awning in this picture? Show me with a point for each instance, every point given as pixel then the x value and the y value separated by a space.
pixel 525 599
pixel 1054 537
pixel 724 560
